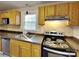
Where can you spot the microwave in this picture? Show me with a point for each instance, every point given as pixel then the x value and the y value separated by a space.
pixel 5 20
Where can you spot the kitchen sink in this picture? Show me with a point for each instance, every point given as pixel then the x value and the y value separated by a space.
pixel 25 36
pixel 29 35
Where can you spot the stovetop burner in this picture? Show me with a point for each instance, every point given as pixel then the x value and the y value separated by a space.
pixel 55 40
pixel 55 44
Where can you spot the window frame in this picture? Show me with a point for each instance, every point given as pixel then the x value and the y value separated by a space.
pixel 31 21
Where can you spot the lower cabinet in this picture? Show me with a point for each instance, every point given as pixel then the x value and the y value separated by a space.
pixel 25 52
pixel 0 44
pixel 77 53
pixel 36 50
pixel 24 49
pixel 14 48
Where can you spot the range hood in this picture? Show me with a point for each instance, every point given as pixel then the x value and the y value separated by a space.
pixel 50 18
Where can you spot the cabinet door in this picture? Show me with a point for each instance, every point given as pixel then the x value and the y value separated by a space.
pixel 0 18
pixel 25 52
pixel 36 50
pixel 50 10
pixel 77 53
pixel 18 18
pixel 15 17
pixel 25 49
pixel 74 14
pixel 14 48
pixel 12 15
pixel 62 9
pixel 5 14
pixel 41 15
pixel 0 44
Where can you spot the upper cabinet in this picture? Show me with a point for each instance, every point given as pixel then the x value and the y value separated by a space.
pixel 50 10
pixel 41 15
pixel 74 14
pixel 44 11
pixel 62 9
pixel 13 15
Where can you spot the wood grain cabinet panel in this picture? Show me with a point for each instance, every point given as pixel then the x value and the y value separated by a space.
pixel 14 48
pixel 77 53
pixel 62 9
pixel 25 52
pixel 74 14
pixel 41 15
pixel 20 48
pixel 25 49
pixel 50 10
pixel 0 44
pixel 36 50
pixel 13 15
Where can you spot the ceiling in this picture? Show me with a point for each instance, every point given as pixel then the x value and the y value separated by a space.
pixel 21 4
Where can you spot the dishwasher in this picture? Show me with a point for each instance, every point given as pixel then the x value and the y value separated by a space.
pixel 5 45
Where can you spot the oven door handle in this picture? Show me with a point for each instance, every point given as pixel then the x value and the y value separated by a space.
pixel 59 52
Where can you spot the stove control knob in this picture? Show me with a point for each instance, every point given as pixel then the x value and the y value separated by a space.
pixel 60 33
pixel 47 32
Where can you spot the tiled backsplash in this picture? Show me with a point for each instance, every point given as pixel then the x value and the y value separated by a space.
pixel 60 26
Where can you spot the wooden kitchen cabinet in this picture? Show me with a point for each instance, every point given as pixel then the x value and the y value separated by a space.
pixel 70 9
pixel 74 14
pixel 45 11
pixel 13 15
pixel 77 53
pixel 0 44
pixel 25 49
pixel 14 48
pixel 62 9
pixel 41 15
pixel 36 50
pixel 50 10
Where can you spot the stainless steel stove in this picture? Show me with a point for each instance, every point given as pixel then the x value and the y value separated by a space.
pixel 54 44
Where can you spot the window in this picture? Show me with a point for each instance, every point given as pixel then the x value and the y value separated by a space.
pixel 30 22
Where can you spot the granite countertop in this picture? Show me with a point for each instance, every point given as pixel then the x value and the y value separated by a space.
pixel 35 39
pixel 73 42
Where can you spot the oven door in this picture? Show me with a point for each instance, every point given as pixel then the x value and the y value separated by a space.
pixel 56 53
